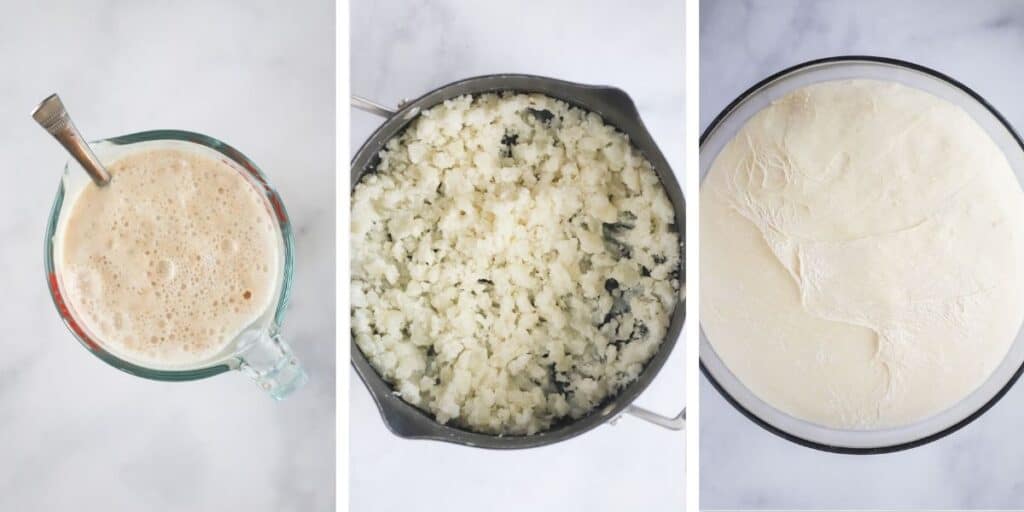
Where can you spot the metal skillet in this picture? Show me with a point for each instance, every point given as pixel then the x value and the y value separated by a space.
pixel 616 107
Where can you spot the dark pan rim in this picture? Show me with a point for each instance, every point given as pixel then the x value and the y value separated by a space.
pixel 732 400
pixel 614 405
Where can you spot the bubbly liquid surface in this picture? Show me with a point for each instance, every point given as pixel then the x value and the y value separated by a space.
pixel 170 261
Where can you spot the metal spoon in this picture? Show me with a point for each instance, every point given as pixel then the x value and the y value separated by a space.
pixel 54 118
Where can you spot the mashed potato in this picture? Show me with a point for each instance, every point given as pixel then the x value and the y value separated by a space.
pixel 515 262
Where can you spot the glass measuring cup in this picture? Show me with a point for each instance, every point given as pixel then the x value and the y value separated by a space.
pixel 259 350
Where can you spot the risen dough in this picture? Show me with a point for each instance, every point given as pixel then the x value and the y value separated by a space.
pixel 859 249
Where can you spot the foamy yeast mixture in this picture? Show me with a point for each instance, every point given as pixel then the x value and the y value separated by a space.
pixel 171 260
pixel 860 249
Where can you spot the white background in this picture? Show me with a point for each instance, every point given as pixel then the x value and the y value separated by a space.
pixel 982 45
pixel 402 49
pixel 76 434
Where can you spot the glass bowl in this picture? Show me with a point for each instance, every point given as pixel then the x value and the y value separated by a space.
pixel 726 125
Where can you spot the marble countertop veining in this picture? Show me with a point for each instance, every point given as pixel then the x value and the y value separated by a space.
pixel 76 434
pixel 979 43
pixel 402 49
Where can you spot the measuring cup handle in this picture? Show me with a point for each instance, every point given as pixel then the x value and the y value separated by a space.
pixel 269 361
pixel 676 423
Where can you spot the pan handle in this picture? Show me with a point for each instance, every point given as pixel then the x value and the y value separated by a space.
pixel 367 105
pixel 676 423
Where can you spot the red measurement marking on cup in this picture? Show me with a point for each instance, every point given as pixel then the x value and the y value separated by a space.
pixel 278 208
pixel 239 158
pixel 65 313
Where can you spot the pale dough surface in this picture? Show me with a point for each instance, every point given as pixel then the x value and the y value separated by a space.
pixel 859 249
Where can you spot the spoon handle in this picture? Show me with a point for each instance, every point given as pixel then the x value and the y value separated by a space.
pixel 54 118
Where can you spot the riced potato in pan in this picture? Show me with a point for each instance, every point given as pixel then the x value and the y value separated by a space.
pixel 515 262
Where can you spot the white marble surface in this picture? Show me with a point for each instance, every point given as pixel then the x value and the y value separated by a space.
pixel 76 434
pixel 401 49
pixel 979 43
